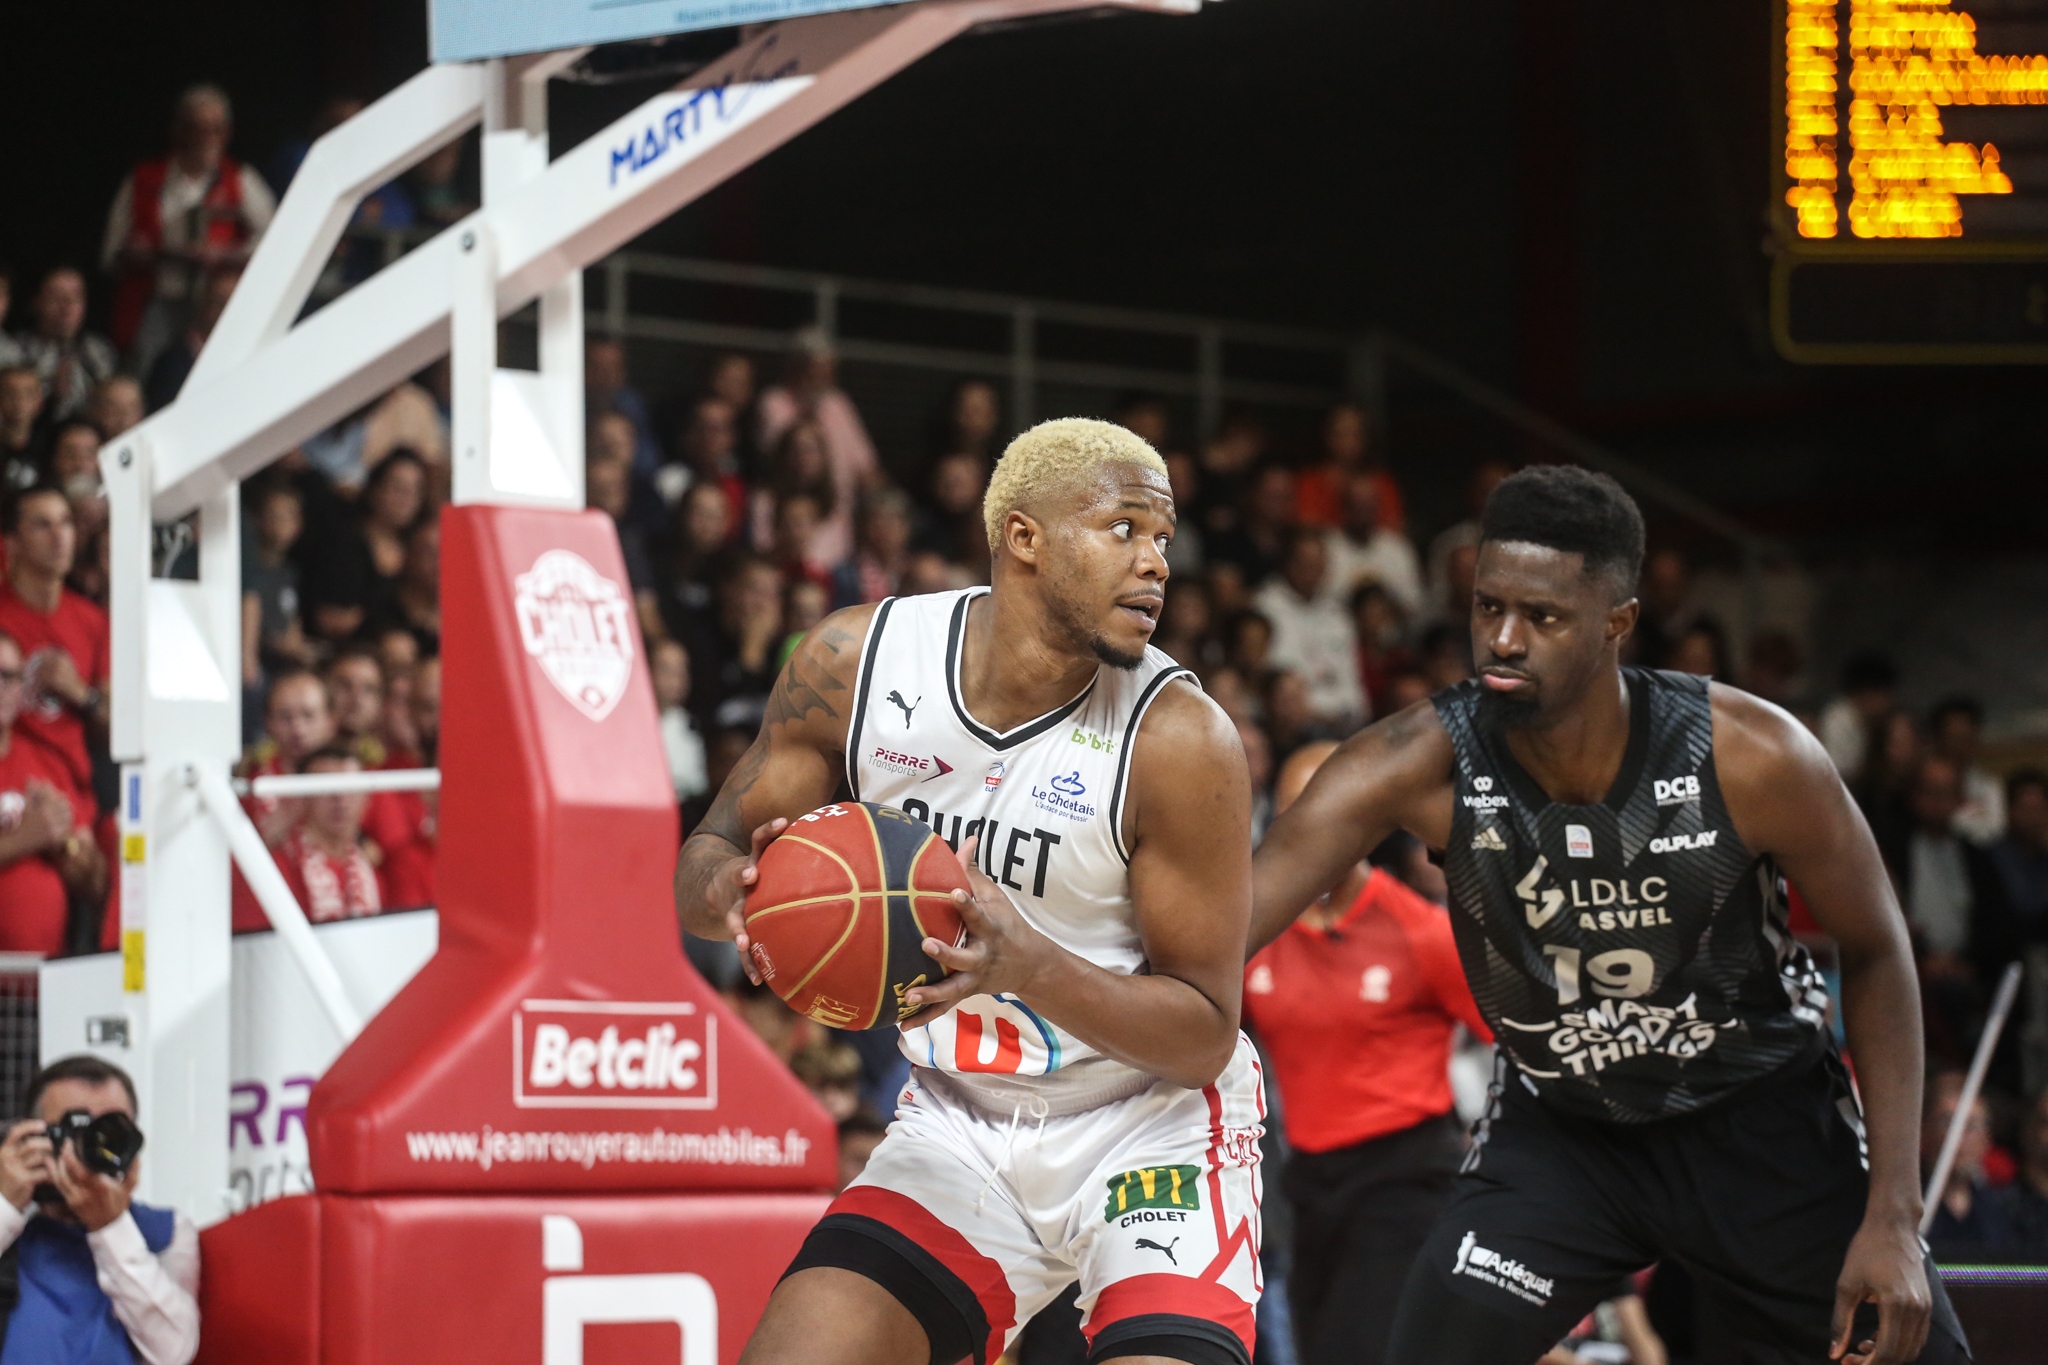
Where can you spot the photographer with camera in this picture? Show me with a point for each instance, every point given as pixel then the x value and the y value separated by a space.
pixel 89 1276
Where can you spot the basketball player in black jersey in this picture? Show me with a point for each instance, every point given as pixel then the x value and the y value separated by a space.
pixel 1617 843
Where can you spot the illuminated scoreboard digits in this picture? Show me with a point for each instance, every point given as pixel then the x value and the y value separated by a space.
pixel 1908 61
pixel 1914 181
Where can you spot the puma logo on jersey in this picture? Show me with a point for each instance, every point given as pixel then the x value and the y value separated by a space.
pixel 906 707
pixel 1680 843
pixel 1552 898
pixel 1489 840
pixel 1147 1244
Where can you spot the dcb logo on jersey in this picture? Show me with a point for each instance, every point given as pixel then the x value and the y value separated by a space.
pixel 578 625
pixel 1676 791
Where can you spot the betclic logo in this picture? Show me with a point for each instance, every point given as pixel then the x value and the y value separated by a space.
pixel 613 1054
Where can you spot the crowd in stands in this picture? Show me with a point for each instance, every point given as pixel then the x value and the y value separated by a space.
pixel 1302 596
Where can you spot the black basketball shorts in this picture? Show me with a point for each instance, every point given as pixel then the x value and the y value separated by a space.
pixel 1757 1197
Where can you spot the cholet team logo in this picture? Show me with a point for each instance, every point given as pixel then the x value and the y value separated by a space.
pixel 578 624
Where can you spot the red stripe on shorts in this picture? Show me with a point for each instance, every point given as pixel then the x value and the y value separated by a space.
pixel 982 1276
pixel 1178 1294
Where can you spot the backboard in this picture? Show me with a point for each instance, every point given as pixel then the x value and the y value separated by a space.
pixel 470 30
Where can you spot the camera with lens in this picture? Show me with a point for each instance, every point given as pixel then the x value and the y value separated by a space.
pixel 108 1144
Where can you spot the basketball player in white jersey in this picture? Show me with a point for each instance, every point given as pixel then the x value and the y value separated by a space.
pixel 1082 1105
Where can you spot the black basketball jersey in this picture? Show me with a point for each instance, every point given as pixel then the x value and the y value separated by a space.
pixel 1633 957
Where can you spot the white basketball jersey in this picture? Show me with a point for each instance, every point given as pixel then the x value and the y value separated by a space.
pixel 1046 800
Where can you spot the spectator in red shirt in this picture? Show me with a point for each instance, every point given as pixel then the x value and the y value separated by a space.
pixel 323 858
pixel 63 634
pixel 404 826
pixel 1347 448
pixel 47 854
pixel 1356 1004
pixel 297 720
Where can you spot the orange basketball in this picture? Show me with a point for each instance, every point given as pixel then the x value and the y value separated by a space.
pixel 838 918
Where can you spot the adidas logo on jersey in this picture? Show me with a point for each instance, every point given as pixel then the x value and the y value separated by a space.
pixel 1489 840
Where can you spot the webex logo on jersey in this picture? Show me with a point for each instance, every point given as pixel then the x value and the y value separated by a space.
pixel 613 1054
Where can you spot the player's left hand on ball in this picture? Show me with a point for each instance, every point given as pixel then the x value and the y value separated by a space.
pixel 1884 1267
pixel 1001 953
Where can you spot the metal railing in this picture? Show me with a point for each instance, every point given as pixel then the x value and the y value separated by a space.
pixel 340 784
pixel 1216 368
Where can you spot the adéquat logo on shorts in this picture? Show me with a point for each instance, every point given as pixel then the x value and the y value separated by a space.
pixel 613 1054
pixel 578 625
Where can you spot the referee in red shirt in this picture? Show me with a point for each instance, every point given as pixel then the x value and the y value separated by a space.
pixel 1355 1004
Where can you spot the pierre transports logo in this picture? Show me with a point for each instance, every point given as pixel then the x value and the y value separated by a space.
pixel 1165 1193
pixel 613 1054
pixel 579 626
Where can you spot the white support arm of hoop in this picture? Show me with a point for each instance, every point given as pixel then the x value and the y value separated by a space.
pixel 1952 1141
pixel 384 140
pixel 275 384
pixel 259 869
pixel 341 784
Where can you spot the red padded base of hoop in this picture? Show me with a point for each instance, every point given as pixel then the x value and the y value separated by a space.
pixel 346 1280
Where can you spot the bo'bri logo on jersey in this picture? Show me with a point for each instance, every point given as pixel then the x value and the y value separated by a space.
pixel 1154 1187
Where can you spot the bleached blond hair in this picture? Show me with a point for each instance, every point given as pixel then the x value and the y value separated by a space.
pixel 1051 458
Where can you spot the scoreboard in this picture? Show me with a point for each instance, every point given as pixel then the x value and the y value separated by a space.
pixel 1911 219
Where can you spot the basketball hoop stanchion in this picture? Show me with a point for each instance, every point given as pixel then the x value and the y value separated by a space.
pixel 555 1124
pixel 557 1059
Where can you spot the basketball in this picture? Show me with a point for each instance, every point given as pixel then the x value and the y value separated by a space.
pixel 846 897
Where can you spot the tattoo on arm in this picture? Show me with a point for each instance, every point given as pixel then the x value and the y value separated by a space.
pixel 807 686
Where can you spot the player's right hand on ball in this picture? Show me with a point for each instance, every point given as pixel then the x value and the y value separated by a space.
pixel 745 873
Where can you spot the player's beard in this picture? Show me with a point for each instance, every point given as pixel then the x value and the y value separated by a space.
pixel 1113 656
pixel 1071 617
pixel 1510 713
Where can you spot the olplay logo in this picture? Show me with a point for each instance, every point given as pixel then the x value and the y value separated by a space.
pixel 613 1054
pixel 579 626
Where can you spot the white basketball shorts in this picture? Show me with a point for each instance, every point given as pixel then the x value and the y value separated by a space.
pixel 976 1220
